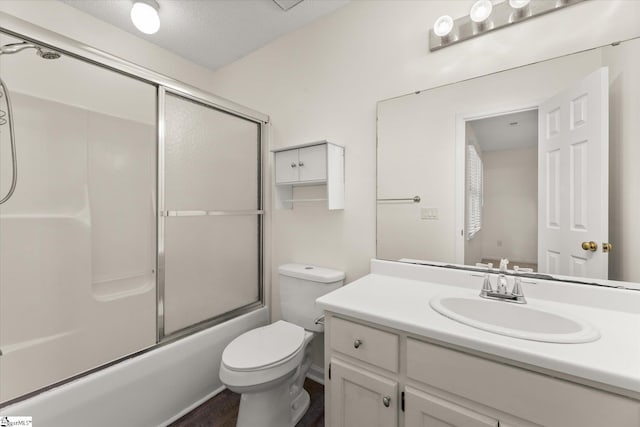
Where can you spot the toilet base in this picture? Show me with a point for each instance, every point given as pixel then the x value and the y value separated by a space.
pixel 299 406
pixel 269 408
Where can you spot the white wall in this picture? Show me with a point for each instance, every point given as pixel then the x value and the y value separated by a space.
pixel 510 211
pixel 324 80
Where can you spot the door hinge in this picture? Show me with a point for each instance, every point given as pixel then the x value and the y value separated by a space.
pixel 402 401
pixel 329 370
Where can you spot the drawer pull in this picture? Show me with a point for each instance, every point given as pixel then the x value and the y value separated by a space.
pixel 357 343
pixel 386 401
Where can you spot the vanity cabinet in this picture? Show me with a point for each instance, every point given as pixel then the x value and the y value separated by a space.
pixel 362 398
pixel 425 410
pixel 316 163
pixel 376 375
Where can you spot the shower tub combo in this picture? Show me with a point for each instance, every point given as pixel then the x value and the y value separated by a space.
pixel 131 234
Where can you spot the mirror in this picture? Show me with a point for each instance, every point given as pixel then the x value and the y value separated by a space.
pixel 534 164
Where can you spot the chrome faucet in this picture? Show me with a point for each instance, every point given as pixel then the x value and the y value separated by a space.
pixel 501 293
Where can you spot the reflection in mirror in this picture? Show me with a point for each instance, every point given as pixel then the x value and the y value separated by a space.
pixel 531 164
pixel 501 189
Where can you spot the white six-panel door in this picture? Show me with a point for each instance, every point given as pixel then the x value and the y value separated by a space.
pixel 573 156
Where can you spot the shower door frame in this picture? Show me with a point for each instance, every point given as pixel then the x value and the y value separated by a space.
pixel 162 215
pixel 16 27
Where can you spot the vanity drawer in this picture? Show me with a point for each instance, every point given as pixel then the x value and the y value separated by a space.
pixel 368 344
pixel 534 397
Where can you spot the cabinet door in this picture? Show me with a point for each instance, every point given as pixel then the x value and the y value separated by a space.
pixel 286 166
pixel 313 163
pixel 359 398
pixel 425 410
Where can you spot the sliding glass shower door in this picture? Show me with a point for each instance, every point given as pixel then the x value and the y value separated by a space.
pixel 136 218
pixel 77 237
pixel 210 215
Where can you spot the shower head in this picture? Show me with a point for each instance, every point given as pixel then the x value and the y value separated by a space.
pixel 47 54
pixel 17 47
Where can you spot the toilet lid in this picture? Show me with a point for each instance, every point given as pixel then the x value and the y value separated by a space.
pixel 263 346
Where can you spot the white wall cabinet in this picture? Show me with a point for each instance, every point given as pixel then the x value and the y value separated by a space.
pixel 317 163
pixel 428 385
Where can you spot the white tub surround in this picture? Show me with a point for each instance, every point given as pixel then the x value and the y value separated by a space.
pixel 396 295
pixel 153 389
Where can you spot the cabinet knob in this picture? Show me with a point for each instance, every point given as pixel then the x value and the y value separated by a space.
pixel 300 164
pixel 293 165
pixel 386 401
pixel 357 343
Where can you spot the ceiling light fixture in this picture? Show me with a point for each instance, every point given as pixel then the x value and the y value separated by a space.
pixel 488 15
pixel 145 16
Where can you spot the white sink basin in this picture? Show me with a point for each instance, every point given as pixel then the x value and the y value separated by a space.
pixel 515 320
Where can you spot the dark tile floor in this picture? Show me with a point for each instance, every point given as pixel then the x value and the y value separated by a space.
pixel 222 410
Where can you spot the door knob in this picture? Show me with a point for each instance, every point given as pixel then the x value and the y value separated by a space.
pixel 386 401
pixel 590 246
pixel 607 247
pixel 357 343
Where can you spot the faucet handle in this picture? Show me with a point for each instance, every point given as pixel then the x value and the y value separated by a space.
pixel 517 288
pixel 488 266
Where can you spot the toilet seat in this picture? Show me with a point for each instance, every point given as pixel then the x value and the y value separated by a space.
pixel 264 347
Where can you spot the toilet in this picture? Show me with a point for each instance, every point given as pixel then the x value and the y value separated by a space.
pixel 268 365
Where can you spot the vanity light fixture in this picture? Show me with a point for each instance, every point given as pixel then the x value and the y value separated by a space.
pixel 145 16
pixel 488 15
pixel 480 13
pixel 520 9
pixel 443 26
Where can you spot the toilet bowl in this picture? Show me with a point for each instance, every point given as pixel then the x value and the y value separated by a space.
pixel 268 365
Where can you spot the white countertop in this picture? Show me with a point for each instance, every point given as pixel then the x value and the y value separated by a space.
pixel 403 304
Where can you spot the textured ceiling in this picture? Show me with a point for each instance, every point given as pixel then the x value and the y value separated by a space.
pixel 213 33
pixel 509 131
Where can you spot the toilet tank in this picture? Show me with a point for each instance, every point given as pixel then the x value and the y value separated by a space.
pixel 300 286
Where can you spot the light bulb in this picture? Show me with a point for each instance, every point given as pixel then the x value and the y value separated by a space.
pixel 480 11
pixel 443 26
pixel 144 15
pixel 519 4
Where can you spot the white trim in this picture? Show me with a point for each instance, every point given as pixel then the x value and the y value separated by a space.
pixel 316 373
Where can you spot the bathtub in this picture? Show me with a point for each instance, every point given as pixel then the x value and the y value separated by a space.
pixel 153 389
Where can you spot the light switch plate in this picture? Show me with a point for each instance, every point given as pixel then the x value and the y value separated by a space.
pixel 429 213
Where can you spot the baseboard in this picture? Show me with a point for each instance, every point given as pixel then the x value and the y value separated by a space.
pixel 316 373
pixel 193 406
